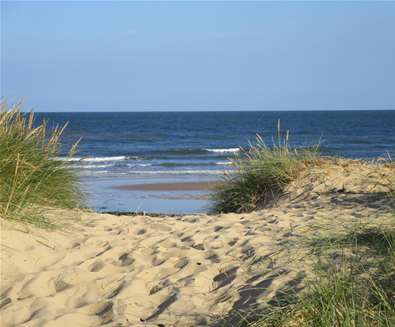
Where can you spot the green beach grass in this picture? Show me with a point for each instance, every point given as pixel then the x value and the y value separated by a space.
pixel 354 279
pixel 30 178
pixel 261 174
pixel 353 283
pixel 357 289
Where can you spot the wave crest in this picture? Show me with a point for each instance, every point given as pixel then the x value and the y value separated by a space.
pixel 230 150
pixel 93 159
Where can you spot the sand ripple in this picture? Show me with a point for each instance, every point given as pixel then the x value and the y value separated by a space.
pixel 173 271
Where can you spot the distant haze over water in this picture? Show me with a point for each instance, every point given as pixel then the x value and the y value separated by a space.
pixel 188 146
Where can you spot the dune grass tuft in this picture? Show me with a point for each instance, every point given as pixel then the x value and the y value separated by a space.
pixel 359 290
pixel 29 175
pixel 261 174
pixel 354 284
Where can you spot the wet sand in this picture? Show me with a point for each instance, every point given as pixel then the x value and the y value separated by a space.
pixel 189 186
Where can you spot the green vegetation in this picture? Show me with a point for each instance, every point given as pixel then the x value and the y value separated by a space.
pixel 355 284
pixel 29 177
pixel 261 175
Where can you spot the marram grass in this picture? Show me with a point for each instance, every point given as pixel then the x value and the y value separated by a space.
pixel 357 291
pixel 29 176
pixel 261 174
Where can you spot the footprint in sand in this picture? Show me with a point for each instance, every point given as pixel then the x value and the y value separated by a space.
pixel 113 288
pixel 104 310
pixel 199 247
pixel 60 285
pixel 103 250
pixel 162 307
pixel 4 301
pixel 141 231
pixel 233 241
pixel 248 252
pixel 212 256
pixel 181 263
pixel 125 260
pixel 157 260
pixel 47 283
pixel 83 294
pixel 162 284
pixel 224 278
pixel 96 266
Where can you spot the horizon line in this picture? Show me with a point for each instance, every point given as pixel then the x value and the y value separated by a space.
pixel 202 111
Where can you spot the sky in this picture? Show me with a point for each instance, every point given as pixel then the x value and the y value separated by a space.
pixel 153 56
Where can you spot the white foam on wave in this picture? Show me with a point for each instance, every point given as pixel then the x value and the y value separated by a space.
pixel 176 172
pixel 91 166
pixel 91 159
pixel 224 163
pixel 69 159
pixel 139 165
pixel 230 150
pixel 102 159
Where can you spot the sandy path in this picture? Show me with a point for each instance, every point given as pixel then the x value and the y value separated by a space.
pixel 175 271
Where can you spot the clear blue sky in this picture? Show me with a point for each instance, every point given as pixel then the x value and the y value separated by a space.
pixel 98 56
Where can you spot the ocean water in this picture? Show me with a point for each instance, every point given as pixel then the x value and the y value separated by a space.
pixel 126 148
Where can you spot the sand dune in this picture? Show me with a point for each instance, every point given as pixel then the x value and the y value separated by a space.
pixel 189 270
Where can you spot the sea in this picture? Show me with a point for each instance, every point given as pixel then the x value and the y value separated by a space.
pixel 126 148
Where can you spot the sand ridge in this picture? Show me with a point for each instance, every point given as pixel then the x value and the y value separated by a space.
pixel 179 271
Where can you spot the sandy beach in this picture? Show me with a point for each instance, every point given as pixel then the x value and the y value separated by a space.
pixel 197 164
pixel 191 270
